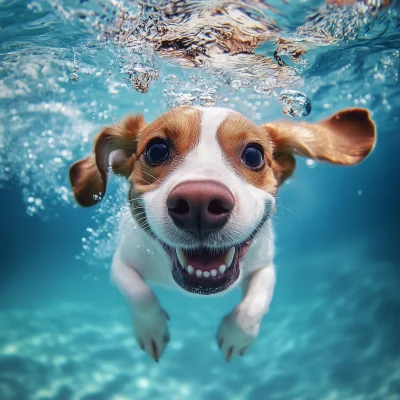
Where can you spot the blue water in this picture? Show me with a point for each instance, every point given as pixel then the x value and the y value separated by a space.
pixel 333 329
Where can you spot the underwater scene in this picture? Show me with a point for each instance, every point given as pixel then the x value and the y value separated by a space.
pixel 68 69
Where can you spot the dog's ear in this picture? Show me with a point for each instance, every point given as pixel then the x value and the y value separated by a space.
pixel 345 138
pixel 115 148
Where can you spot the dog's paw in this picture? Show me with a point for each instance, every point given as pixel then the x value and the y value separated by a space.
pixel 151 332
pixel 237 332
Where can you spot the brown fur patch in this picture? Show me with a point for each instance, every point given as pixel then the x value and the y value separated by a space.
pixel 345 138
pixel 234 134
pixel 88 177
pixel 86 181
pixel 181 129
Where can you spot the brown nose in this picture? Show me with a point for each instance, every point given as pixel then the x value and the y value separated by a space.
pixel 200 206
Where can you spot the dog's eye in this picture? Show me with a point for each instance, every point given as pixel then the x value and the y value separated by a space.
pixel 157 151
pixel 253 156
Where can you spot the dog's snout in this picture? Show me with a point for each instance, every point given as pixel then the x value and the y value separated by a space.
pixel 200 206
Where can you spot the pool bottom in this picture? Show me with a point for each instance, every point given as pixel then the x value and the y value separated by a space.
pixel 335 337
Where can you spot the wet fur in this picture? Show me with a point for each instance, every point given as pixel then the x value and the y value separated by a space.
pixel 206 144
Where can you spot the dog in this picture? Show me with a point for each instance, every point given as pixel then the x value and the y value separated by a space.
pixel 202 187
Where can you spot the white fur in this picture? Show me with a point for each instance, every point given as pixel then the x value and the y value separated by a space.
pixel 140 258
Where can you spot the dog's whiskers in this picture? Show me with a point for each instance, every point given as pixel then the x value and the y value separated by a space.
pixel 146 181
pixel 137 207
pixel 285 208
pixel 152 176
pixel 138 199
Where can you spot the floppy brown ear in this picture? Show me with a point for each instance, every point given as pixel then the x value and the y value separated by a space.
pixel 345 138
pixel 115 148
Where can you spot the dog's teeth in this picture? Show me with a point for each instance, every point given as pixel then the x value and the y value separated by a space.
pixel 221 269
pixel 198 273
pixel 190 269
pixel 206 274
pixel 229 257
pixel 213 272
pixel 181 257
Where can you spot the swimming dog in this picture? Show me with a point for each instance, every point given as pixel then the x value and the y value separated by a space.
pixel 202 187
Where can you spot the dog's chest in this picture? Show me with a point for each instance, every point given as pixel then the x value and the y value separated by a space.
pixel 143 253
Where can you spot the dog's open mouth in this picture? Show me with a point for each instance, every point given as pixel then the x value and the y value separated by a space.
pixel 204 270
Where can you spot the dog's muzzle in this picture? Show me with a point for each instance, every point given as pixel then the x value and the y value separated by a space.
pixel 201 208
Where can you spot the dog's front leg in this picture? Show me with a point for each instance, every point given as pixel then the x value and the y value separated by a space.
pixel 240 327
pixel 149 319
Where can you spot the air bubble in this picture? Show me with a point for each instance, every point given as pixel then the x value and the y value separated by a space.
pixel 74 77
pixel 207 101
pixel 295 103
pixel 171 79
pixel 140 76
pixel 179 99
pixel 310 163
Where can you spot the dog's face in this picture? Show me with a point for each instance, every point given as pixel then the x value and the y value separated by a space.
pixel 203 180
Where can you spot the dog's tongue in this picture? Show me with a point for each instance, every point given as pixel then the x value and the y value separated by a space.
pixel 205 260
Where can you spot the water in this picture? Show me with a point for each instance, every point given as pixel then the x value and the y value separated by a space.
pixel 69 67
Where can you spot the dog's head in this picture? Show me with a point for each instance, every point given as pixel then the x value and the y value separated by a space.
pixel 203 180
